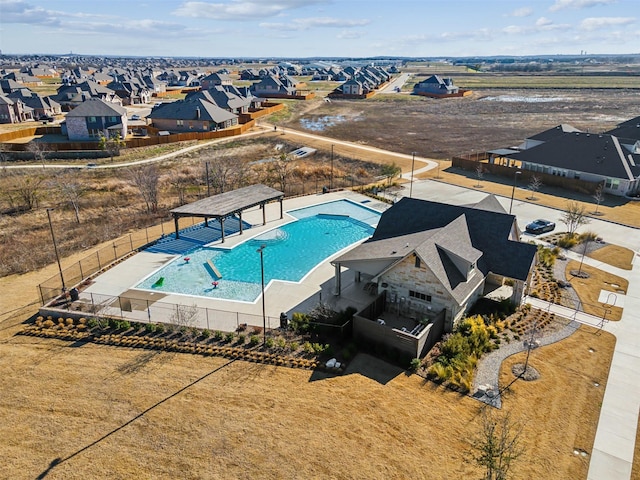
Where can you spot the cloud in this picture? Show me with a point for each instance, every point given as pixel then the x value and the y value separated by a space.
pixel 350 34
pixel 542 24
pixel 241 9
pixel 520 12
pixel 18 11
pixel 561 4
pixel 314 22
pixel 595 23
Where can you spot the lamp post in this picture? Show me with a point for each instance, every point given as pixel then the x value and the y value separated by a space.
pixel 413 161
pixel 55 249
pixel 513 190
pixel 264 316
pixel 331 178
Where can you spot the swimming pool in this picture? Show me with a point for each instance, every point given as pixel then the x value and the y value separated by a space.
pixel 291 252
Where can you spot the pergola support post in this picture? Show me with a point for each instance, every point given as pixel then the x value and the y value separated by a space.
pixel 281 211
pixel 175 222
pixel 264 214
pixel 222 229
pixel 338 277
pixel 240 217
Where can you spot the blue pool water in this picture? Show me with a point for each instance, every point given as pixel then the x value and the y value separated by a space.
pixel 291 252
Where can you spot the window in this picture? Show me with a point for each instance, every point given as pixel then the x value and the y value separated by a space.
pixel 92 120
pixel 113 119
pixel 417 261
pixel 419 295
pixel 180 122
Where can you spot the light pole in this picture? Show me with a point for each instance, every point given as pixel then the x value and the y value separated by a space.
pixel 331 178
pixel 413 161
pixel 55 248
pixel 264 315
pixel 513 190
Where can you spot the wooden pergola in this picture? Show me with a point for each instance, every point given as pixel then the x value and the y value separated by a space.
pixel 229 203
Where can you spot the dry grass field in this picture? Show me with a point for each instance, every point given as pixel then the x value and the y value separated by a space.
pixel 614 255
pixel 88 411
pixel 588 289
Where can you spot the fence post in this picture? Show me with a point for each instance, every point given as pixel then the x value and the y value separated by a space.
pixel 99 264
pixel 131 242
pixel 148 312
pixel 41 295
pixel 80 267
pixel 115 251
pixel 206 310
pixel 146 232
pixel 93 305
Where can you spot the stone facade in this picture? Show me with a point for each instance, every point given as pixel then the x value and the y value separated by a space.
pixel 405 276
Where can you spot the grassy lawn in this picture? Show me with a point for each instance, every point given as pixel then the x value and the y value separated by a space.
pixel 498 80
pixel 614 255
pixel 588 289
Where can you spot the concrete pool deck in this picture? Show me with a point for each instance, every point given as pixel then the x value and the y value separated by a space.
pixel 144 305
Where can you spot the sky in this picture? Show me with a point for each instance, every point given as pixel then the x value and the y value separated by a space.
pixel 326 28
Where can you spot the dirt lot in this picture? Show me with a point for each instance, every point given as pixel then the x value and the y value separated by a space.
pixel 486 120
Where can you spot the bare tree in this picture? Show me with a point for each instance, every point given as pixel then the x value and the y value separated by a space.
pixel 574 217
pixel 479 174
pixel 534 185
pixel 39 151
pixel 112 144
pixel 598 196
pixel 146 179
pixel 221 171
pixel 497 444
pixel 71 190
pixel 281 169
pixel 180 184
pixel 25 191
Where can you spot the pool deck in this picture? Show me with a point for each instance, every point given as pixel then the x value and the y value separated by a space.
pixel 279 296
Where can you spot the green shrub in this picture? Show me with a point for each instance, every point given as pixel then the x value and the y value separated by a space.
pixel 218 335
pixel 293 346
pixel 415 364
pixel 92 322
pixel 300 323
pixel 307 348
pixel 205 333
pixel 254 340
pixel 281 343
pixel 241 338
pixel 150 327
pixel 587 237
pixel 160 328
pixel 182 329
pixel 229 336
pixel 270 342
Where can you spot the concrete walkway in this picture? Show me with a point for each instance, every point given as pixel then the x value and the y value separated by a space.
pixel 612 454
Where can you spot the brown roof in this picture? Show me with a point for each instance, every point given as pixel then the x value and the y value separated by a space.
pixel 228 203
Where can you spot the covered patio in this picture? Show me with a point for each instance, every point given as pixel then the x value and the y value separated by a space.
pixel 227 204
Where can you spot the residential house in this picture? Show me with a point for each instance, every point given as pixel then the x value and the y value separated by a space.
pixel 23 78
pixel 271 86
pixel 428 256
pixel 436 86
pixel 70 96
pixel 223 99
pixel 14 110
pixel 41 106
pixel 597 158
pixel 192 115
pixel 215 79
pixel 8 85
pixel 95 118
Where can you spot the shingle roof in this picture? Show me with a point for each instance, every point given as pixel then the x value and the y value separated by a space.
pixel 599 154
pixel 489 232
pixel 196 109
pixel 96 107
pixel 554 132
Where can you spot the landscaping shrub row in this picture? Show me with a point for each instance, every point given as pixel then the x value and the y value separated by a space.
pixel 85 330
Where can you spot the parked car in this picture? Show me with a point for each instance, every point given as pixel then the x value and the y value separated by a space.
pixel 135 117
pixel 540 226
pixel 46 118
